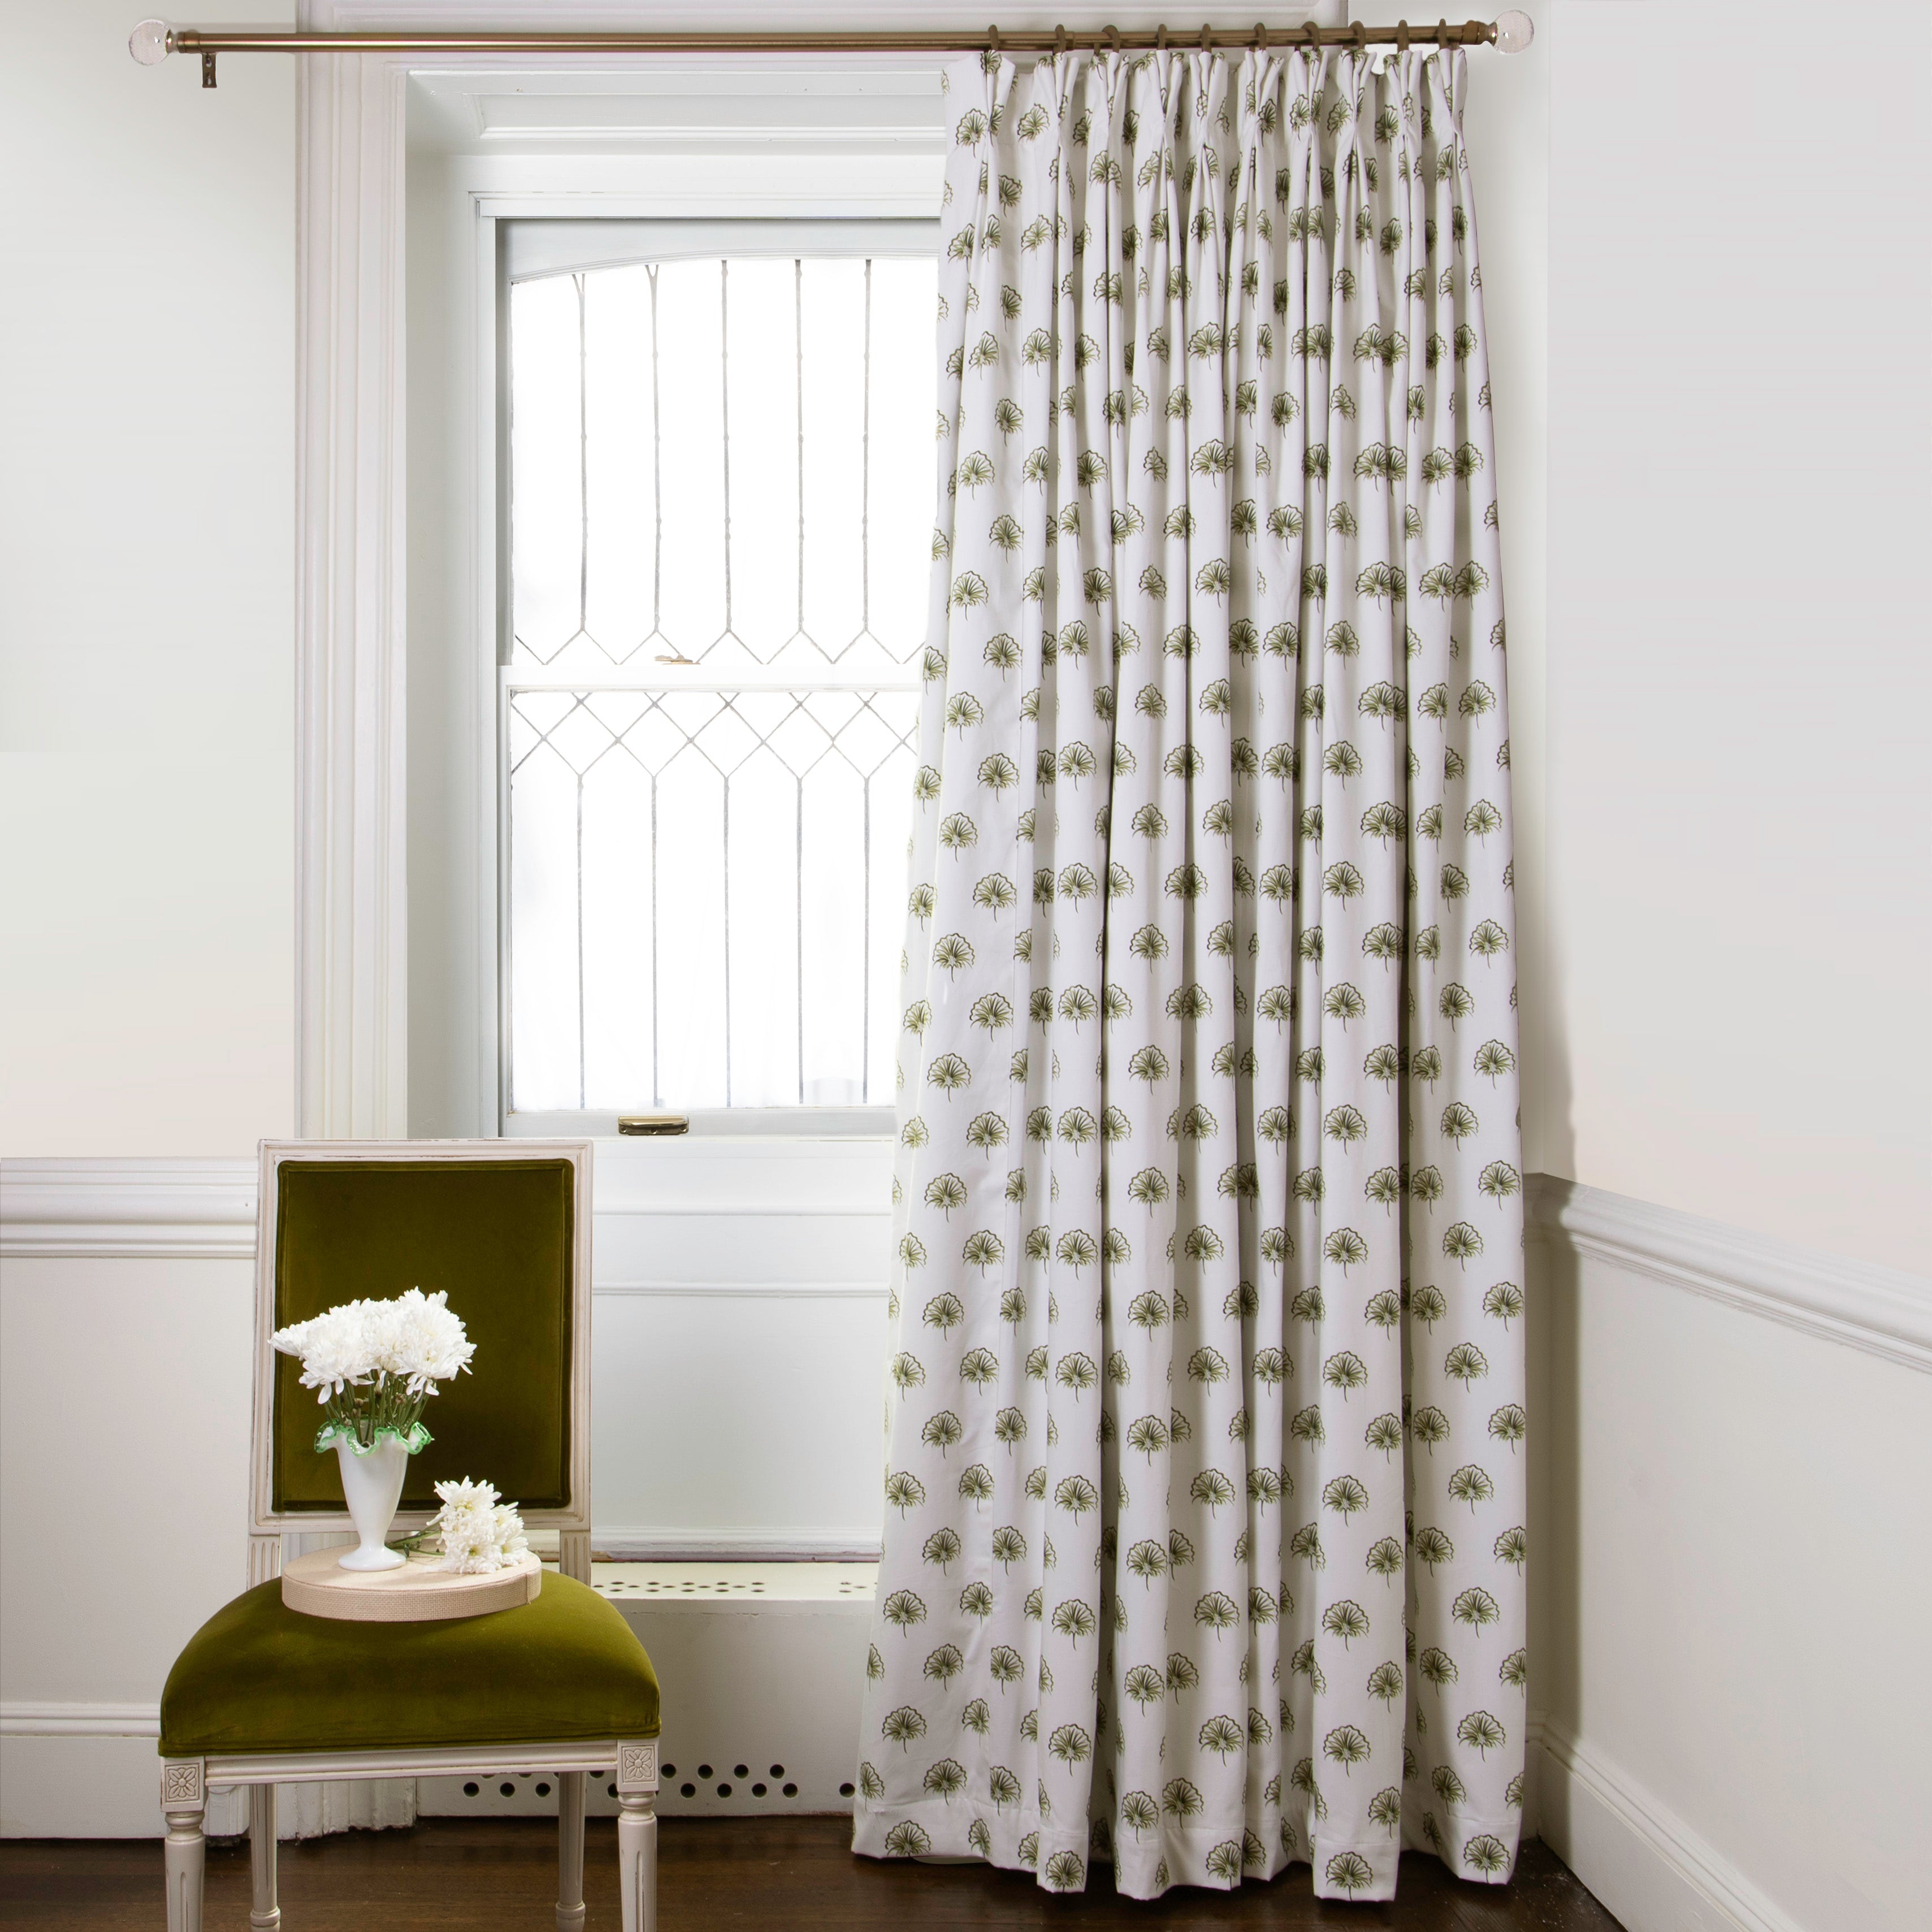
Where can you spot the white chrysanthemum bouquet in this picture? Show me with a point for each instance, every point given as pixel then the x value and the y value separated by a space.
pixel 374 1364
pixel 477 1531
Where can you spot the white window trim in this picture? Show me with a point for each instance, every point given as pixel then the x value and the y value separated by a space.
pixel 353 811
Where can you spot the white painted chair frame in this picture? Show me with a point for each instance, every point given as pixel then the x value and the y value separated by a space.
pixel 186 1782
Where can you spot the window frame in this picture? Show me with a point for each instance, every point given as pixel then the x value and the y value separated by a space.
pixel 575 245
pixel 425 947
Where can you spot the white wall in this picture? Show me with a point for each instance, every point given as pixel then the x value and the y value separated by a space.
pixel 1731 1566
pixel 1741 900
pixel 146 591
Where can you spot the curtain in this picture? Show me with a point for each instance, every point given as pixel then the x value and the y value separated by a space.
pixel 1204 1492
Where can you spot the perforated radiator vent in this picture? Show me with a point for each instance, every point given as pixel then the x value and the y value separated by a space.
pixel 762 1667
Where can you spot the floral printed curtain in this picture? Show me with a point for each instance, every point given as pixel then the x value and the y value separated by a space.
pixel 1204 1492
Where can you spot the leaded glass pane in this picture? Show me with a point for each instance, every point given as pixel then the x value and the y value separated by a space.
pixel 722 470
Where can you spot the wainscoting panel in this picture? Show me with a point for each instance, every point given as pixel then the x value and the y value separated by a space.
pixel 733 1424
pixel 1728 1453
pixel 738 1333
pixel 1730 1569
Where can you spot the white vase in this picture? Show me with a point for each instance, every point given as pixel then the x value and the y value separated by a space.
pixel 372 1483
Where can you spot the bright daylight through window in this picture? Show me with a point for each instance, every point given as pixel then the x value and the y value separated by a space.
pixel 721 515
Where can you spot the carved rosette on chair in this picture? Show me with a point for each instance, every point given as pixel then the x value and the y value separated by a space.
pixel 555 1682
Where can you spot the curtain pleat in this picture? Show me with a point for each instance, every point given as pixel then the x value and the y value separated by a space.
pixel 1204 1493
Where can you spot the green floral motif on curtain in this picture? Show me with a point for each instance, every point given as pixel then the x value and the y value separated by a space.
pixel 1205 1490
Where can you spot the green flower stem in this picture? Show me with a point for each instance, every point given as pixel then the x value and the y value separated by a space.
pixel 362 1412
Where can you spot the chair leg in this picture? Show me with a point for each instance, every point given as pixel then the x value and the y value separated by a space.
pixel 183 1803
pixel 570 1852
pixel 638 1859
pixel 265 1916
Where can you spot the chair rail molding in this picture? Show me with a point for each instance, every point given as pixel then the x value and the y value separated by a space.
pixel 127 1210
pixel 1885 1311
pixel 27 1717
pixel 205 1210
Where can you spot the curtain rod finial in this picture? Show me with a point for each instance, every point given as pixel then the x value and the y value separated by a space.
pixel 151 42
pixel 1515 30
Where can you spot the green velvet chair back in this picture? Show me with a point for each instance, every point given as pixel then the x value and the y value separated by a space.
pixel 504 1228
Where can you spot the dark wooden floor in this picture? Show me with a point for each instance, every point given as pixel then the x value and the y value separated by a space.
pixel 795 1874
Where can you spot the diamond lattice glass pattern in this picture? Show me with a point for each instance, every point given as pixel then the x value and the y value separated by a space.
pixel 722 477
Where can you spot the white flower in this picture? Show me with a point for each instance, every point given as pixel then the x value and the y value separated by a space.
pixel 461 1493
pixel 415 1339
pixel 336 1348
pixel 479 1533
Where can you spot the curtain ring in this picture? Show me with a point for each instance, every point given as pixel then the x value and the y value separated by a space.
pixel 1402 36
pixel 1059 42
pixel 1361 38
pixel 993 42
pixel 1160 40
pixel 1112 37
pixel 1207 39
pixel 1442 33
pixel 1312 34
pixel 1261 36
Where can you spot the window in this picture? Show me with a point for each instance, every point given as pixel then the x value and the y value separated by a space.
pixel 720 513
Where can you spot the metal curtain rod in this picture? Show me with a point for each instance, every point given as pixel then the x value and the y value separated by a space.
pixel 153 41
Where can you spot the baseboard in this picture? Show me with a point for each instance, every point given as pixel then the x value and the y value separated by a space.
pixel 1883 1311
pixel 82 1783
pixel 93 1770
pixel 1648 1868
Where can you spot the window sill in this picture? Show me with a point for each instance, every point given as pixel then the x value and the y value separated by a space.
pixel 773 1125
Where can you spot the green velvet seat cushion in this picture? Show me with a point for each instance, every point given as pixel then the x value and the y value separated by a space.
pixel 258 1676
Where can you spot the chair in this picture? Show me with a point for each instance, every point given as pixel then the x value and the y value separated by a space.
pixel 263 1694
